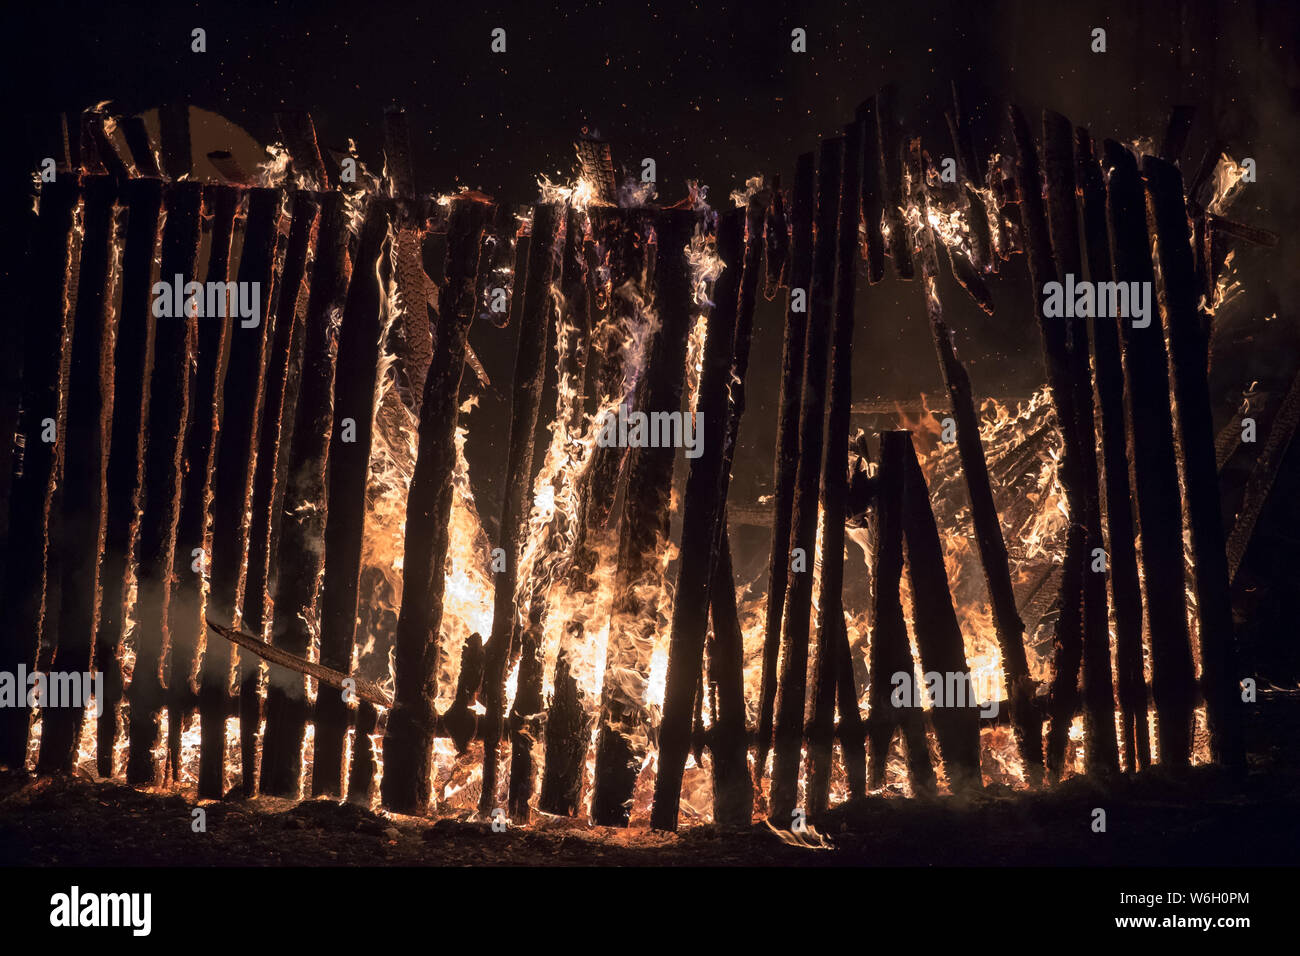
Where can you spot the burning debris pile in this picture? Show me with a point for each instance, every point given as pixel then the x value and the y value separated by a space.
pixel 252 514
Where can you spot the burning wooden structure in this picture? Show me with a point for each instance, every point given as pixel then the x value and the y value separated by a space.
pixel 259 525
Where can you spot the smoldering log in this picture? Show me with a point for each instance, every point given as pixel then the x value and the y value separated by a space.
pixel 787 444
pixel 357 375
pixel 1100 752
pixel 778 242
pixel 201 444
pixel 1175 141
pixel 701 518
pixel 890 139
pixel 32 491
pixel 174 140
pixel 572 346
pixel 143 155
pixel 568 724
pixel 133 365
pixel 530 371
pixel 834 494
pixel 968 169
pixel 408 743
pixel 791 690
pixel 620 744
pixel 1155 469
pixel 991 544
pixel 934 622
pixel 873 249
pixel 80 526
pixel 1125 587
pixel 232 488
pixel 299 134
pixel 891 656
pixel 169 405
pixel 1189 360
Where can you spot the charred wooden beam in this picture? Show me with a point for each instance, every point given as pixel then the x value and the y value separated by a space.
pixel 791 690
pixel 1189 361
pixel 572 341
pixel 873 249
pixel 407 742
pixel 174 140
pixel 169 406
pixel 778 242
pixel 33 490
pixel 133 370
pixel 1175 141
pixel 144 157
pixel 701 518
pixel 192 539
pixel 80 526
pixel 530 371
pixel 989 539
pixel 359 366
pixel 834 494
pixel 624 725
pixel 1101 753
pixel 785 466
pixel 938 635
pixel 1155 468
pixel 299 134
pixel 1125 587
pixel 890 138
pixel 232 488
pixel 891 656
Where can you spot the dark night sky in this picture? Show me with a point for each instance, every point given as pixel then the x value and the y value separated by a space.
pixel 712 92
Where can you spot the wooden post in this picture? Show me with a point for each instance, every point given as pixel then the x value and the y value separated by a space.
pixel 701 517
pixel 787 444
pixel 233 483
pixel 1101 753
pixel 169 406
pixel 869 179
pixel 803 536
pixel 622 740
pixel 530 371
pixel 192 544
pixel 358 369
pixel 834 493
pixel 1189 359
pixel 891 181
pixel 572 341
pixel 80 527
pixel 133 369
pixel 1155 468
pixel 891 656
pixel 33 490
pixel 1126 591
pixel 938 635
pixel 408 740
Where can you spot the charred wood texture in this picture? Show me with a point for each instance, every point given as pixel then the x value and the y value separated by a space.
pixel 133 369
pixel 568 725
pixel 989 540
pixel 701 520
pixel 572 342
pixel 201 442
pixel 777 242
pixel 33 491
pixel 938 635
pixel 358 370
pixel 624 720
pixel 1155 468
pixel 891 656
pixel 1100 751
pixel 790 700
pixel 869 179
pixel 890 140
pixel 530 372
pixel 787 445
pixel 233 486
pixel 408 741
pixel 283 371
pixel 78 533
pixel 831 630
pixel 1125 586
pixel 1189 360
pixel 169 405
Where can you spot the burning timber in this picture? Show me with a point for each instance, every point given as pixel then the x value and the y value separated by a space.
pixel 271 527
